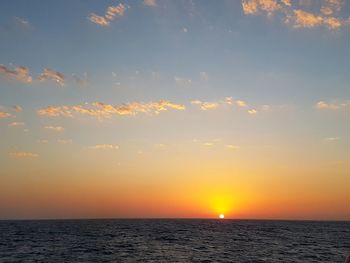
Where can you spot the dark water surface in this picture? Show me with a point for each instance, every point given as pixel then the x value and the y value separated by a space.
pixel 173 241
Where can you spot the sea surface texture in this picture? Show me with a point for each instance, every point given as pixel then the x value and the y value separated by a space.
pixel 173 241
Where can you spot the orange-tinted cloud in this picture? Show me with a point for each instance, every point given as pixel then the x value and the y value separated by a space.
pixel 335 105
pixel 104 147
pixel 54 128
pixel 102 110
pixel 150 2
pixel 20 73
pixel 111 13
pixel 24 155
pixel 49 74
pixel 17 108
pixel 4 115
pixel 296 16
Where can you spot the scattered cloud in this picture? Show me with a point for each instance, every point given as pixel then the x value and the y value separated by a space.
pixel 205 105
pixel 24 155
pixel 62 141
pixel 20 73
pixel 241 103
pixel 183 81
pixel 294 13
pixel 104 147
pixel 331 139
pixel 22 22
pixel 208 105
pixel 232 147
pixel 82 80
pixel 252 111
pixel 54 128
pixel 49 74
pixel 111 13
pixel 4 115
pixel 150 2
pixel 44 141
pixel 15 124
pixel 17 108
pixel 102 110
pixel 203 76
pixel 334 105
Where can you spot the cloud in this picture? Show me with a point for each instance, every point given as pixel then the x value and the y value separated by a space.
pixel 17 108
pixel 49 74
pixel 296 16
pixel 44 141
pixel 334 105
pixel 232 147
pixel 102 110
pixel 62 141
pixel 241 103
pixel 54 128
pixel 4 115
pixel 254 6
pixel 331 139
pixel 203 76
pixel 111 13
pixel 104 147
pixel 182 81
pixel 208 105
pixel 24 155
pixel 150 2
pixel 20 73
pixel 15 124
pixel 252 111
pixel 205 105
pixel 22 22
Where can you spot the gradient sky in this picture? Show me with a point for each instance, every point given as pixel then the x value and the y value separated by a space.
pixel 162 108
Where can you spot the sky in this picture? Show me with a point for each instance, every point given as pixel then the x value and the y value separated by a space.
pixel 175 109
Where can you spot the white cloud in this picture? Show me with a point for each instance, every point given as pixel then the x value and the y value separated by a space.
pixel 55 128
pixel 104 147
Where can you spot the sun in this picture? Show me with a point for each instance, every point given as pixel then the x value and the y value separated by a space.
pixel 221 216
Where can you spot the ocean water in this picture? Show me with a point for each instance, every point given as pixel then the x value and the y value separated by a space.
pixel 246 241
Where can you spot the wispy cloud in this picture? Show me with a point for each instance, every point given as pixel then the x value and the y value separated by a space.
pixel 334 105
pixel 49 74
pixel 252 111
pixel 54 128
pixel 180 81
pixel 104 147
pixel 4 115
pixel 111 13
pixel 20 73
pixel 102 110
pixel 150 2
pixel 17 108
pixel 64 141
pixel 209 105
pixel 232 147
pixel 294 13
pixel 24 155
pixel 15 124
pixel 331 139
pixel 22 22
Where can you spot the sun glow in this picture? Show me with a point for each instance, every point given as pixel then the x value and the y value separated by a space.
pixel 221 216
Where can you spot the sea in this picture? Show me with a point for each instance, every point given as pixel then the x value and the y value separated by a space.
pixel 173 240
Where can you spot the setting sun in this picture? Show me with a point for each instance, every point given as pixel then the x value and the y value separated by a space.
pixel 221 216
